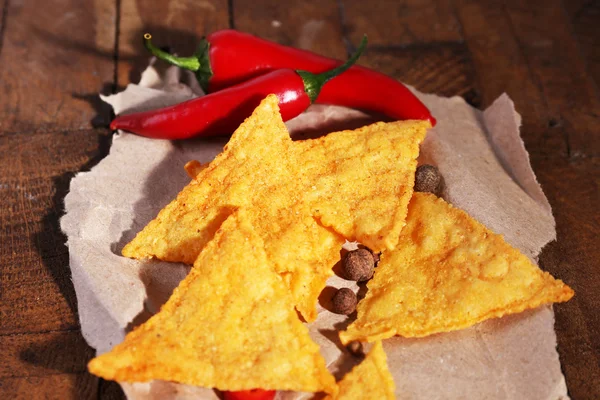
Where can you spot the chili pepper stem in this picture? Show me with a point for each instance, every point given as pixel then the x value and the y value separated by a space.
pixel 198 63
pixel 191 63
pixel 314 82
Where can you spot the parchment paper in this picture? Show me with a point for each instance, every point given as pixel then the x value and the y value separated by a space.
pixel 487 173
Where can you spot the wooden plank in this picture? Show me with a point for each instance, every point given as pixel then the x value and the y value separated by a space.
pixel 394 23
pixel 502 67
pixel 60 387
pixel 417 42
pixel 110 390
pixel 43 354
pixel 573 189
pixel 178 24
pixel 52 61
pixel 314 26
pixel 442 69
pixel 2 22
pixel 584 16
pixel 35 170
pixel 545 35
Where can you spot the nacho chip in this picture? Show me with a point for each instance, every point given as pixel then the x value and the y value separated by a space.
pixel 251 165
pixel 448 272
pixel 229 325
pixel 194 167
pixel 371 379
pixel 301 251
pixel 303 197
pixel 359 182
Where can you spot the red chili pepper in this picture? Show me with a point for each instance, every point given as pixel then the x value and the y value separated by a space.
pixel 227 57
pixel 222 112
pixel 254 394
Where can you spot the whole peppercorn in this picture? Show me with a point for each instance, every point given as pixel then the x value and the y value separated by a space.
pixel 358 265
pixel 356 348
pixel 428 179
pixel 344 301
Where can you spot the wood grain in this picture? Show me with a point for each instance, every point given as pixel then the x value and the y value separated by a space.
pixel 2 22
pixel 445 70
pixel 417 42
pixel 573 189
pixel 178 25
pixel 314 26
pixel 37 293
pixel 38 354
pixel 546 38
pixel 501 66
pixel 81 386
pixel 51 68
pixel 584 16
pixel 400 23
pixel 109 390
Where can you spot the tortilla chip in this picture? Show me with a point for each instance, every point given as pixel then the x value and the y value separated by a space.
pixel 359 182
pixel 371 379
pixel 302 252
pixel 251 164
pixel 229 325
pixel 303 197
pixel 194 167
pixel 448 272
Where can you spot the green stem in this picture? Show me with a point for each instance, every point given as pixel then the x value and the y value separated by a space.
pixel 313 83
pixel 191 63
pixel 325 76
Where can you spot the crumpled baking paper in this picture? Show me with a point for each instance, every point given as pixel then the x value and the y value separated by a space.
pixel 487 173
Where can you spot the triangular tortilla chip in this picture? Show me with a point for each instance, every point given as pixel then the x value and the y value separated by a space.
pixel 229 325
pixel 448 272
pixel 253 165
pixel 359 182
pixel 303 197
pixel 371 379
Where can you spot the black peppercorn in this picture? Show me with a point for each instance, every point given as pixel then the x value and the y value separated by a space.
pixel 344 301
pixel 358 265
pixel 428 179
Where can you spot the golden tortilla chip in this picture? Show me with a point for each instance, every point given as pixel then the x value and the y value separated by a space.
pixel 251 165
pixel 371 379
pixel 448 272
pixel 301 251
pixel 359 182
pixel 303 197
pixel 229 325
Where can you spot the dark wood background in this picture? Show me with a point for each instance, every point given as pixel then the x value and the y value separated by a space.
pixel 56 55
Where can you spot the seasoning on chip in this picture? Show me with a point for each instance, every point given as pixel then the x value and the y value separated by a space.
pixel 448 272
pixel 229 325
pixel 303 198
pixel 371 379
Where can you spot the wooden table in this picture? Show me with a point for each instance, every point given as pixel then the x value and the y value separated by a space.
pixel 56 55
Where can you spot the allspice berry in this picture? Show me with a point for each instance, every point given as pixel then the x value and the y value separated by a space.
pixel 344 301
pixel 428 179
pixel 356 348
pixel 358 265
